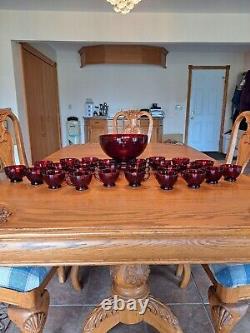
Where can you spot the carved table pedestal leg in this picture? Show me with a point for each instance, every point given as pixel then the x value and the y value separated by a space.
pixel 131 304
pixel 30 320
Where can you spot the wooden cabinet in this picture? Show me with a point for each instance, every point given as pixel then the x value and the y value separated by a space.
pixel 157 133
pixel 94 127
pixel 123 54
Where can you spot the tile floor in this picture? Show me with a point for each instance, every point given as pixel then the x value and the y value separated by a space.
pixel 69 308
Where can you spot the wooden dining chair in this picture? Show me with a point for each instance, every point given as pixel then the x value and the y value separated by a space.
pixel 7 141
pixel 7 157
pixel 230 293
pixel 22 287
pixel 243 156
pixel 132 125
pixel 23 290
pixel 184 273
pixel 132 122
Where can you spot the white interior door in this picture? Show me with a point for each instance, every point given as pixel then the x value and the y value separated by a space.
pixel 206 102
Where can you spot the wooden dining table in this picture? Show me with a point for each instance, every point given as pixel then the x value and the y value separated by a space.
pixel 127 229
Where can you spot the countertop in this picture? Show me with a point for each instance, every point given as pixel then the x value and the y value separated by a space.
pixel 99 117
pixel 111 118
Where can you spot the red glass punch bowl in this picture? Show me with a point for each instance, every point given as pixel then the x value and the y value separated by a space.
pixel 123 147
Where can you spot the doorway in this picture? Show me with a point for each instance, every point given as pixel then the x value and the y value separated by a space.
pixel 206 106
pixel 41 92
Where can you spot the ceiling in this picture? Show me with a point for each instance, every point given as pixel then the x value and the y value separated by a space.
pixel 183 6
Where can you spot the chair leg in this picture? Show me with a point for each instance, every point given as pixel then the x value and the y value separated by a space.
pixel 179 270
pixel 225 316
pixel 184 271
pixel 74 276
pixel 30 320
pixel 61 274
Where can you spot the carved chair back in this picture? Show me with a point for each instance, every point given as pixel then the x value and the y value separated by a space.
pixel 7 141
pixel 133 121
pixel 243 156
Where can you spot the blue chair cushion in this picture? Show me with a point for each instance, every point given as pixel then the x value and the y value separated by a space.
pixel 231 275
pixel 22 278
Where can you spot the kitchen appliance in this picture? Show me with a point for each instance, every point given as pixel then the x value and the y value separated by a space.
pixel 156 111
pixel 89 108
pixel 73 130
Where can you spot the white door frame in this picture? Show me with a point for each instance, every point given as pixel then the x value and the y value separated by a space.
pixel 224 104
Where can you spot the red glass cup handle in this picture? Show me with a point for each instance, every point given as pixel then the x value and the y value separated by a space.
pixel 68 181
pixel 97 176
pixel 147 176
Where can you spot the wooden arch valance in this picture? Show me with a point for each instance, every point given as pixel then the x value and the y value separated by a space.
pixel 123 54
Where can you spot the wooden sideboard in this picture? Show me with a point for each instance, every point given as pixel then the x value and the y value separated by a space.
pixel 94 127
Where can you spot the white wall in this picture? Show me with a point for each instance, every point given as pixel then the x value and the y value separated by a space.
pixel 110 27
pixel 135 86
pixel 46 49
pixel 98 27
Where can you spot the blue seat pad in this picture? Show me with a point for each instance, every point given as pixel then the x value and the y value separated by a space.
pixel 22 279
pixel 231 275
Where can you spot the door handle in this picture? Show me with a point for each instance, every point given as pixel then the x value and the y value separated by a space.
pixel 192 115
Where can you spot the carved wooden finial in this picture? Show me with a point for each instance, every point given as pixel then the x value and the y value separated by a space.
pixel 4 214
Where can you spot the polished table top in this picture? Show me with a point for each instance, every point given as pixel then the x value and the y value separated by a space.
pixel 126 225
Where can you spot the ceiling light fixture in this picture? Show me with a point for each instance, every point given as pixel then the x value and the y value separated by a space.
pixel 123 6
